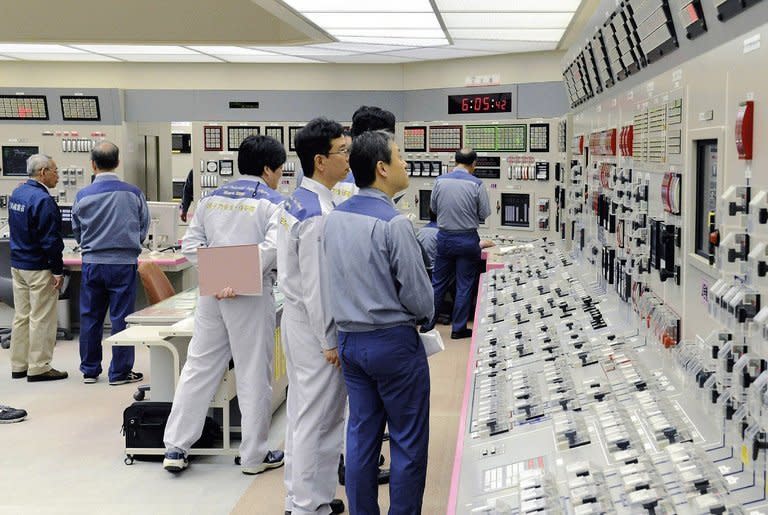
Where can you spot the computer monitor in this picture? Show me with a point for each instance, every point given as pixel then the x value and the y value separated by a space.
pixel 515 210
pixel 163 224
pixel 425 196
pixel 15 159
pixel 66 222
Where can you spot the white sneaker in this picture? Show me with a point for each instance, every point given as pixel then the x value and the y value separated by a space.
pixel 175 461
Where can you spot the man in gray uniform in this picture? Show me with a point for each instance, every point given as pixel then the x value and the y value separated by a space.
pixel 461 203
pixel 379 292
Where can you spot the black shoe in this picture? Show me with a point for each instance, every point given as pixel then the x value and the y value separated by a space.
pixel 383 477
pixel 51 375
pixel 18 375
pixel 425 329
pixel 461 333
pixel 337 506
pixel 130 377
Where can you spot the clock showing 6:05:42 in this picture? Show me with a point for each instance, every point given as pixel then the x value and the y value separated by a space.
pixel 480 103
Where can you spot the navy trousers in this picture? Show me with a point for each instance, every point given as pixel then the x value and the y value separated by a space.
pixel 458 256
pixel 103 286
pixel 387 380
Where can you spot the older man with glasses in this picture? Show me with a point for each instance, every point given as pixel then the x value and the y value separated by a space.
pixel 36 267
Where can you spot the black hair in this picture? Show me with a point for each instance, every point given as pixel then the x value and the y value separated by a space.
pixel 466 156
pixel 256 152
pixel 315 138
pixel 367 150
pixel 372 118
pixel 105 155
pixel 346 133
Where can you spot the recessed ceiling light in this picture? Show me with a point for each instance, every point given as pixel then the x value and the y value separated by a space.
pixel 409 6
pixel 509 34
pixel 137 49
pixel 228 50
pixel 508 5
pixel 407 42
pixel 389 33
pixel 474 20
pixel 330 21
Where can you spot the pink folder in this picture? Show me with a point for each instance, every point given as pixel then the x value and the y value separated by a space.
pixel 236 266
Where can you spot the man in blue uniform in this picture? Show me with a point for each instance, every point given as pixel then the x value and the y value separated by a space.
pixel 316 393
pixel 240 327
pixel 379 292
pixel 461 203
pixel 110 219
pixel 36 267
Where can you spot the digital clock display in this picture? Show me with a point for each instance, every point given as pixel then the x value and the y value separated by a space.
pixel 482 103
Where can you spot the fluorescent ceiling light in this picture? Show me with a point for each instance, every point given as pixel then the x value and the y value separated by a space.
pixel 79 56
pixel 358 47
pixel 390 33
pixel 330 21
pixel 474 20
pixel 370 59
pixel 436 53
pixel 509 34
pixel 137 49
pixel 304 50
pixel 37 49
pixel 228 50
pixel 502 45
pixel 167 58
pixel 266 58
pixel 406 42
pixel 410 6
pixel 508 5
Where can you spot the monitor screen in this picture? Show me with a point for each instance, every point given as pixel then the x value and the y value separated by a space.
pixel 515 209
pixel 15 160
pixel 163 223
pixel 66 222
pixel 424 198
pixel 178 188
pixel 181 143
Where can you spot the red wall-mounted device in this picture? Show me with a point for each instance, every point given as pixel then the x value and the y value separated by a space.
pixel 744 125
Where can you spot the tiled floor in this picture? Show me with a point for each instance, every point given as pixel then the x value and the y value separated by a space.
pixel 68 456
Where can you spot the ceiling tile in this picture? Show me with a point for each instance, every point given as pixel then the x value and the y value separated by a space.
pixel 473 20
pixel 330 21
pixel 409 6
pixel 271 58
pixel 405 42
pixel 137 49
pixel 433 53
pixel 508 5
pixel 503 46
pixel 509 34
pixel 27 48
pixel 79 56
pixel 229 50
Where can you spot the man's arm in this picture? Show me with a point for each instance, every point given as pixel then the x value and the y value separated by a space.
pixel 314 280
pixel 483 205
pixel 49 219
pixel 195 236
pixel 413 286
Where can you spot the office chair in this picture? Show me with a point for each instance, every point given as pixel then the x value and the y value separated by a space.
pixel 158 288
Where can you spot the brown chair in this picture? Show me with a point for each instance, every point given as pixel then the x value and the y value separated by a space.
pixel 156 283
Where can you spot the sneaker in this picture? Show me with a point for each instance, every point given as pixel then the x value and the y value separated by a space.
pixel 273 460
pixel 19 375
pixel 175 461
pixel 131 377
pixel 51 375
pixel 10 415
pixel 461 333
pixel 90 379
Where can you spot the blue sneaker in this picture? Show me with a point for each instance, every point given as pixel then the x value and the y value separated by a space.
pixel 10 415
pixel 175 461
pixel 273 460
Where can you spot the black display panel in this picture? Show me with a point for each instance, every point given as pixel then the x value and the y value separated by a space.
pixel 425 197
pixel 15 160
pixel 480 103
pixel 80 108
pixel 515 209
pixel 23 107
pixel 66 223
pixel 181 143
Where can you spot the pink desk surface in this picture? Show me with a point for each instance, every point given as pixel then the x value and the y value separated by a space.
pixel 162 261
pixel 459 452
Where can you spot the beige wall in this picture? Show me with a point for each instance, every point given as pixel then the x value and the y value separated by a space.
pixel 513 68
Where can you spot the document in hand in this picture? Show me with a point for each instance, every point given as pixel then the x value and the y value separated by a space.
pixel 432 341
pixel 235 266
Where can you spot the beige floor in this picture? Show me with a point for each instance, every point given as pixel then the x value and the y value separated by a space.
pixel 447 373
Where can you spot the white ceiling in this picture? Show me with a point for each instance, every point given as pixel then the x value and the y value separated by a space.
pixel 361 31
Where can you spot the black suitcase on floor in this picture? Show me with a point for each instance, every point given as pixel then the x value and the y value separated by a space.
pixel 144 425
